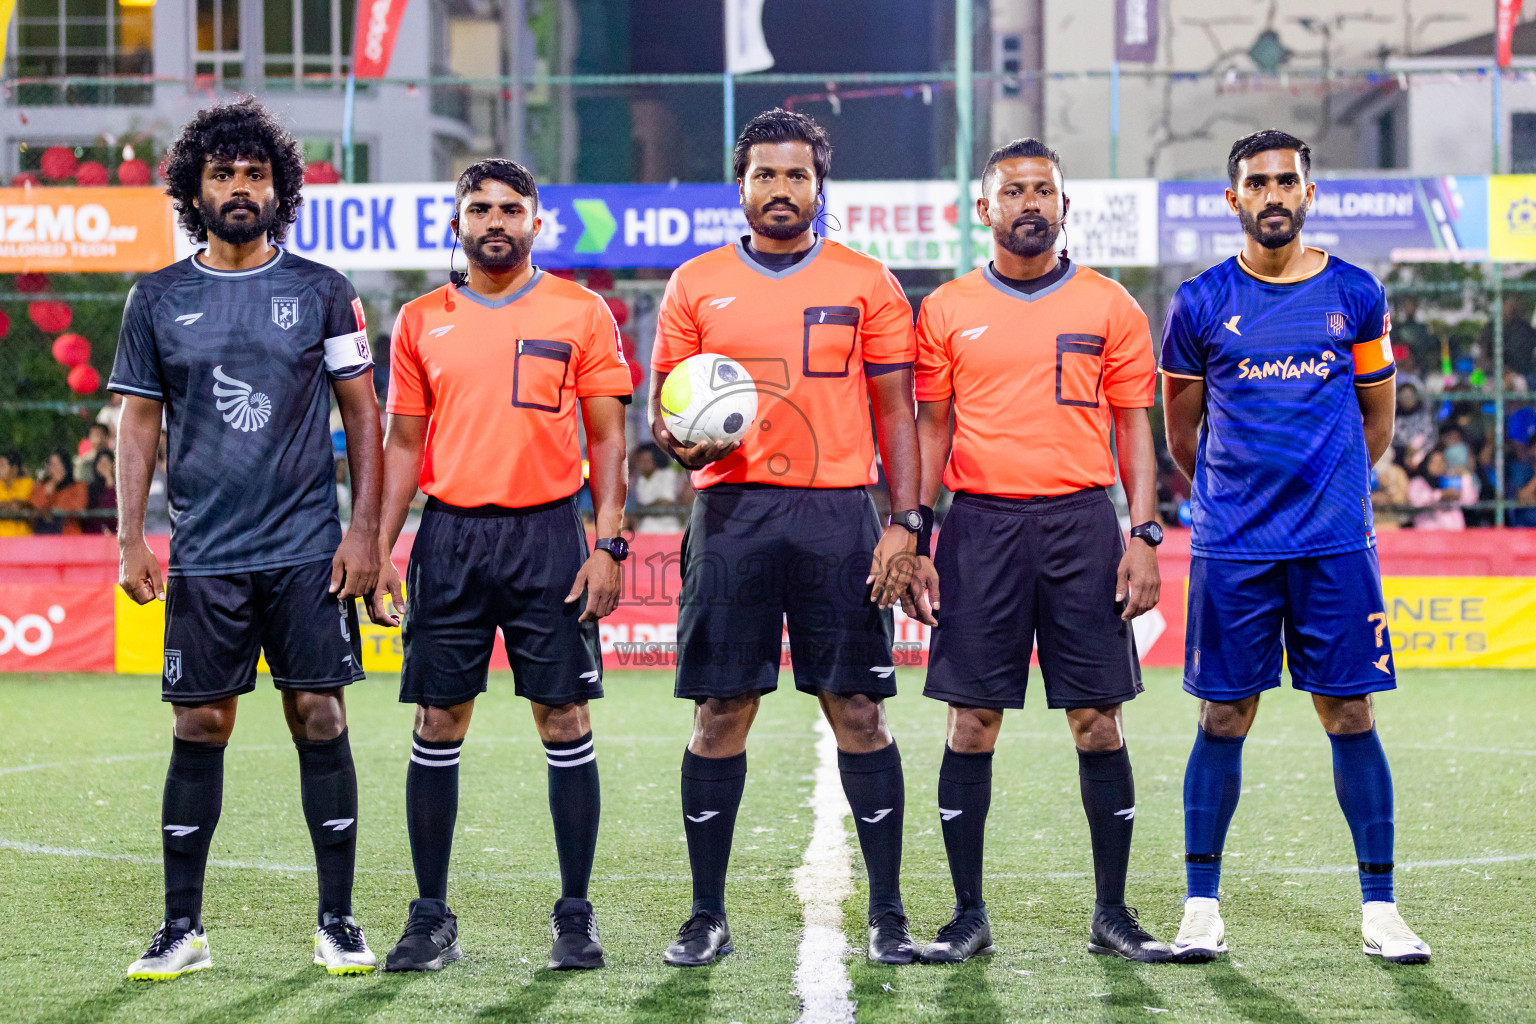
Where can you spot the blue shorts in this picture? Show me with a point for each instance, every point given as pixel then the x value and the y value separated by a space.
pixel 1329 610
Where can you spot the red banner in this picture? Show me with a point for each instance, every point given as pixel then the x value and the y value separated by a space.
pixel 56 628
pixel 1508 15
pixel 378 25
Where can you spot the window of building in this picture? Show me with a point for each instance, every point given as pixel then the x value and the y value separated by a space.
pixel 1522 150
pixel 92 39
pixel 218 40
pixel 308 42
pixel 332 151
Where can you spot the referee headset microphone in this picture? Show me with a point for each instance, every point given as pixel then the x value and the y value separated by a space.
pixel 457 278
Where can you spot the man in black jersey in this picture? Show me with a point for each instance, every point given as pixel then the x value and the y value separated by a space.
pixel 239 349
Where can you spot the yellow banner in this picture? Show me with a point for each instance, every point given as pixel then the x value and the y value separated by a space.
pixel 1512 218
pixel 140 633
pixel 1462 621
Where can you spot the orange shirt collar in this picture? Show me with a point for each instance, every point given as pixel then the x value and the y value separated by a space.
pixel 1284 280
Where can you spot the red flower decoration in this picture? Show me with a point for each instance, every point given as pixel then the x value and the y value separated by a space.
pixel 133 172
pixel 50 317
pixel 5 324
pixel 84 380
pixel 59 163
pixel 91 175
pixel 321 172
pixel 72 350
pixel 636 375
pixel 32 284
pixel 24 179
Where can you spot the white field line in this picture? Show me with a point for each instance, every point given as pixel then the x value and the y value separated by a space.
pixel 823 881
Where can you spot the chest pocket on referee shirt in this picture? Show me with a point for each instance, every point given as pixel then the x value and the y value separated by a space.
pixel 830 335
pixel 1079 369
pixel 538 374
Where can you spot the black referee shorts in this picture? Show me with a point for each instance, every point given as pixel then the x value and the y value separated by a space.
pixel 756 555
pixel 474 570
pixel 1016 573
pixel 216 628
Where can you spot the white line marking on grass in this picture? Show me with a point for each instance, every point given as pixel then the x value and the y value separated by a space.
pixel 823 881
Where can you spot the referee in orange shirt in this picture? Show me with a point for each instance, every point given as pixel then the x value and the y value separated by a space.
pixel 486 376
pixel 1037 359
pixel 783 533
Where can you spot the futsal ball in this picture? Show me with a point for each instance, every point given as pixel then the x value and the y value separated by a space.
pixel 708 398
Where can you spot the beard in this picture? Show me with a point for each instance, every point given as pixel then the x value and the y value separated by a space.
pixel 757 220
pixel 1042 237
pixel 218 223
pixel 1273 239
pixel 516 252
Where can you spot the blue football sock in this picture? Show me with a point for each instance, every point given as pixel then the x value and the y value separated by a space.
pixel 1212 783
pixel 1363 783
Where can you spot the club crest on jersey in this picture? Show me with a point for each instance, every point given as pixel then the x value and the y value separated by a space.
pixel 285 311
pixel 1338 326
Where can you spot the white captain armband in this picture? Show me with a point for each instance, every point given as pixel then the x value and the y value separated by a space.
pixel 347 355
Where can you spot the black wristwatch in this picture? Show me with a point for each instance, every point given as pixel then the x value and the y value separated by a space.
pixel 911 519
pixel 617 547
pixel 1149 532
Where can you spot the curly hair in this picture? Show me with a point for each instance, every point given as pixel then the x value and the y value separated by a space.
pixel 242 128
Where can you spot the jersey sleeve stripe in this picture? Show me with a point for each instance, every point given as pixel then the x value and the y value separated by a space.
pixel 1374 382
pixel 878 369
pixel 117 385
pixel 1182 376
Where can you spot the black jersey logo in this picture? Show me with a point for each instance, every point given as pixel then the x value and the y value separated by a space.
pixel 285 311
pixel 244 409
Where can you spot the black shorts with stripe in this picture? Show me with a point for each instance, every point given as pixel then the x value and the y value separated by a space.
pixel 476 570
pixel 757 557
pixel 217 628
pixel 1019 573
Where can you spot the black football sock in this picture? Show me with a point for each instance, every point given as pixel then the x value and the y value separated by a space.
pixel 575 803
pixel 877 796
pixel 965 796
pixel 1109 798
pixel 189 812
pixel 328 781
pixel 711 797
pixel 431 808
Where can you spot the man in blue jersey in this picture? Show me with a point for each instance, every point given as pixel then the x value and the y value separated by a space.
pixel 1273 368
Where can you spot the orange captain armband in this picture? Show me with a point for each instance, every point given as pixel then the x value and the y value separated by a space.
pixel 1373 360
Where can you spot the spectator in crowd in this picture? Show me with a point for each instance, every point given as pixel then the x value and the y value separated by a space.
pixel 157 511
pixel 1389 491
pixel 15 497
pixel 98 439
pixel 1441 493
pixel 1415 431
pixel 110 414
pixel 657 482
pixel 1422 345
pixel 101 494
pixel 58 491
pixel 1520 484
pixel 1519 336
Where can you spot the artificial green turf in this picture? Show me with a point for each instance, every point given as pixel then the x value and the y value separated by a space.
pixel 82 759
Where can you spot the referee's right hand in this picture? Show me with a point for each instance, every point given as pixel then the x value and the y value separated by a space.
pixel 138 572
pixel 691 456
pixel 387 588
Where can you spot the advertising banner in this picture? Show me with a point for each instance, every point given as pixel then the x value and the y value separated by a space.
pixel 405 227
pixel 55 628
pixel 80 230
pixel 914 225
pixel 1362 220
pixel 1512 217
pixel 1461 621
pixel 373 40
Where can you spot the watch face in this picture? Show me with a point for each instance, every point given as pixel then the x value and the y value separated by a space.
pixel 620 547
pixel 913 521
pixel 1152 532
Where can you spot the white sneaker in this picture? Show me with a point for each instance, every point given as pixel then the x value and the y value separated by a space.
pixel 1201 933
pixel 340 947
pixel 1387 936
pixel 176 949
